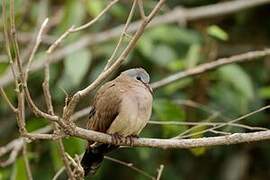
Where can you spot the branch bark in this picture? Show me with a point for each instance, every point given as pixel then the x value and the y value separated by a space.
pixel 235 138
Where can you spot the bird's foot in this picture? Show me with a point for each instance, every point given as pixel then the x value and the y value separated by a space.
pixel 116 138
pixel 130 139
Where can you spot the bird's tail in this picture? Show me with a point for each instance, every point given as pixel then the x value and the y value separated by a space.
pixel 93 157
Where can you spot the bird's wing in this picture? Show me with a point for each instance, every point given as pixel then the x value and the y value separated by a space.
pixel 105 107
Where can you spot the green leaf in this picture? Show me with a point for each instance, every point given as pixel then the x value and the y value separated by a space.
pixel 94 7
pixel 146 46
pixel 74 145
pixel 76 65
pixel 3 67
pixel 74 13
pixel 238 78
pixel 264 92
pixel 173 34
pixel 55 155
pixel 193 56
pixel 217 32
pixel 173 87
pixel 20 170
pixel 163 55
pixel 200 150
pixel 232 101
pixel 119 11
pixel 36 123
pixel 176 65
pixel 168 110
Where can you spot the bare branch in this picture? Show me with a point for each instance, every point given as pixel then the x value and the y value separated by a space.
pixel 253 55
pixel 140 4
pixel 235 138
pixel 26 162
pixel 34 50
pixel 14 146
pixel 160 170
pixel 228 123
pixel 3 94
pixel 7 44
pixel 58 173
pixel 48 101
pixel 72 29
pixel 206 124
pixel 65 160
pixel 131 13
pixel 131 166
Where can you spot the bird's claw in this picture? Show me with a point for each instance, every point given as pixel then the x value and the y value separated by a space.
pixel 118 139
pixel 130 139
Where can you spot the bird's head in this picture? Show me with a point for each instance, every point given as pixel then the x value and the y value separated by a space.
pixel 139 74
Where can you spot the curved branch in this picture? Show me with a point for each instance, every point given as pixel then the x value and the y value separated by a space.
pixel 253 55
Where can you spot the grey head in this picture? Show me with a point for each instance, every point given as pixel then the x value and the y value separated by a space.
pixel 139 74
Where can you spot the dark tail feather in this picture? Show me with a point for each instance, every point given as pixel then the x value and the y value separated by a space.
pixel 93 157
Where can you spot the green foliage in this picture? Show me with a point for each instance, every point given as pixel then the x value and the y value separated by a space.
pixel 19 170
pixel 265 92
pixel 173 34
pixel 167 110
pixel 217 32
pixel 94 7
pixel 238 79
pixel 76 65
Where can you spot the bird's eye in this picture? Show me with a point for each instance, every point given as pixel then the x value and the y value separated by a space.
pixel 138 78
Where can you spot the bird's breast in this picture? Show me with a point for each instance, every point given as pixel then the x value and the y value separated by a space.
pixel 135 111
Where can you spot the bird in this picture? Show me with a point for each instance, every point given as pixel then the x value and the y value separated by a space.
pixel 121 108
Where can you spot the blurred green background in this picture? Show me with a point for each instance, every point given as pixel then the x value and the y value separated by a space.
pixel 227 92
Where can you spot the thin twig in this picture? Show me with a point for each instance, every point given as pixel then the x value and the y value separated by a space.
pixel 228 123
pixel 7 44
pixel 78 169
pixel 160 171
pixel 131 13
pixel 140 4
pixel 188 123
pixel 48 101
pixel 13 108
pixel 212 117
pixel 65 160
pixel 131 166
pixel 15 147
pixel 58 173
pixel 210 66
pixel 26 162
pixel 220 132
pixel 72 29
pixel 34 50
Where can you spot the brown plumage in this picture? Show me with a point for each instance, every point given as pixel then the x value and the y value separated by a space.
pixel 121 106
